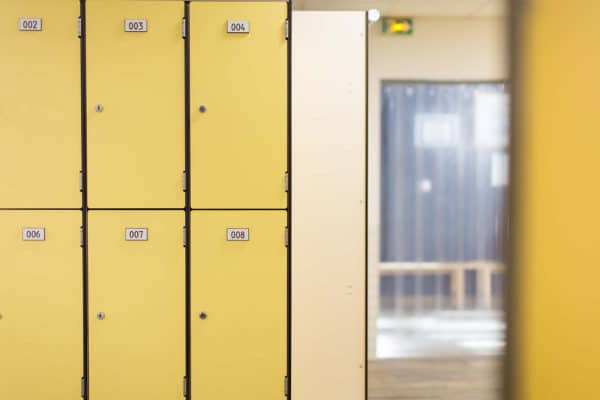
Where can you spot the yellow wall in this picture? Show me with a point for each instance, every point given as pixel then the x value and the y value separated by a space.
pixel 557 255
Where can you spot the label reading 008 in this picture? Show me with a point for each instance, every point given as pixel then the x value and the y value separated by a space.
pixel 238 235
pixel 34 234
pixel 30 24
pixel 136 25
pixel 136 234
pixel 238 26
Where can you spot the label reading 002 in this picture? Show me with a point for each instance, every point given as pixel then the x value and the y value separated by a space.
pixel 136 25
pixel 238 26
pixel 238 234
pixel 136 234
pixel 34 234
pixel 30 24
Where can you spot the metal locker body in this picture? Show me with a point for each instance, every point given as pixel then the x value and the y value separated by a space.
pixel 136 303
pixel 238 297
pixel 40 107
pixel 41 322
pixel 239 105
pixel 136 130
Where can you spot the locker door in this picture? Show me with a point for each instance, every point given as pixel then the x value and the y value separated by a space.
pixel 238 305
pixel 239 105
pixel 40 155
pixel 137 305
pixel 41 324
pixel 136 134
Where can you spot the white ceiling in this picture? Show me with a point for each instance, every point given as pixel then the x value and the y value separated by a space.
pixel 412 8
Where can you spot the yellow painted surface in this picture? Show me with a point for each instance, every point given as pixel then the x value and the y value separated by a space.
pixel 41 323
pixel 136 144
pixel 239 350
pixel 239 145
pixel 558 255
pixel 40 114
pixel 138 351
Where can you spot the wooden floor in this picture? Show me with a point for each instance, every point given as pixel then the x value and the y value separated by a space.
pixel 476 378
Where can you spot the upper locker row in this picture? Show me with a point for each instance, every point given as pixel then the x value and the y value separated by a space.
pixel 136 105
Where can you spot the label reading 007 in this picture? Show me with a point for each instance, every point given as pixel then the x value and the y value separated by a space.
pixel 136 234
pixel 238 26
pixel 30 24
pixel 136 25
pixel 238 235
pixel 34 234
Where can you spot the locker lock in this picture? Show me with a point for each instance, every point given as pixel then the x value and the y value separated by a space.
pixel 203 316
pixel 101 316
pixel 99 108
pixel 202 109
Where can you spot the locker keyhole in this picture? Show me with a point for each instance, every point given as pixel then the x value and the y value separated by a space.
pixel 101 316
pixel 203 316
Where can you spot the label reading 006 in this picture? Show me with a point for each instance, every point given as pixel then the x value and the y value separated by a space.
pixel 238 26
pixel 34 234
pixel 30 24
pixel 238 235
pixel 136 25
pixel 136 234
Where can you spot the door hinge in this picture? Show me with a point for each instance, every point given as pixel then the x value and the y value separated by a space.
pixel 83 385
pixel 184 28
pixel 286 386
pixel 185 387
pixel 185 236
pixel 79 27
pixel 287 29
pixel 81 237
pixel 81 181
pixel 287 181
pixel 184 181
pixel 287 236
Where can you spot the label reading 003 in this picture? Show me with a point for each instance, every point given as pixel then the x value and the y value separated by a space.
pixel 136 25
pixel 238 234
pixel 238 26
pixel 30 24
pixel 136 234
pixel 34 234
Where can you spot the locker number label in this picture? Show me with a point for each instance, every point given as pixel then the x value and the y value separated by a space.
pixel 238 26
pixel 238 235
pixel 136 234
pixel 34 234
pixel 30 24
pixel 136 25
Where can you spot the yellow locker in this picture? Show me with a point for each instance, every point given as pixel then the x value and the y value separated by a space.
pixel 40 155
pixel 41 323
pixel 136 132
pixel 238 289
pixel 557 213
pixel 239 104
pixel 137 305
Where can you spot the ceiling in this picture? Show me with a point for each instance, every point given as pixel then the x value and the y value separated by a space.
pixel 413 8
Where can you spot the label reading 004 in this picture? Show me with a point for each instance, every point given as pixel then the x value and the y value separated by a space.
pixel 30 24
pixel 238 26
pixel 34 234
pixel 136 234
pixel 136 25
pixel 238 234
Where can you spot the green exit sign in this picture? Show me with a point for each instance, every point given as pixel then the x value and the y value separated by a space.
pixel 398 26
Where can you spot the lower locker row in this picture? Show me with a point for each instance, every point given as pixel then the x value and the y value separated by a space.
pixel 137 302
